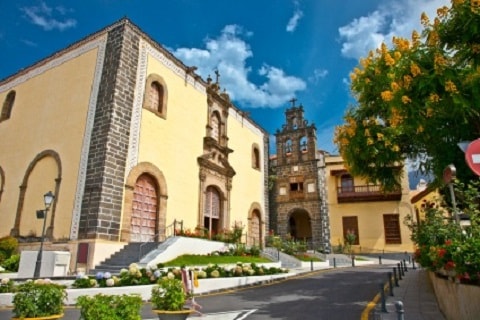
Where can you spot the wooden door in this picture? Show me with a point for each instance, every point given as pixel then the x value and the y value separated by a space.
pixel 144 210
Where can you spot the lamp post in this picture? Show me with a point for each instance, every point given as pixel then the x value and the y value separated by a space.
pixel 48 199
pixel 449 175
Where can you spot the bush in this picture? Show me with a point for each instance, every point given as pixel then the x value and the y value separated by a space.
pixel 110 307
pixel 8 246
pixel 7 285
pixel 38 299
pixel 12 263
pixel 169 294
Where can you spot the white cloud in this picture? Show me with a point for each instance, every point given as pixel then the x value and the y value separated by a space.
pixel 293 22
pixel 392 18
pixel 228 53
pixel 43 16
pixel 29 43
pixel 317 75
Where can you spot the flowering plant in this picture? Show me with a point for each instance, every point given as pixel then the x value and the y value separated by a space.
pixel 443 246
pixel 7 285
pixel 169 294
pixel 38 298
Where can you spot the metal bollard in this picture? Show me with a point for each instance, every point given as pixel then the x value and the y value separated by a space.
pixel 399 269
pixel 379 259
pixel 405 265
pixel 403 268
pixel 353 261
pixel 399 310
pixel 311 265
pixel 334 262
pixel 382 296
pixel 278 254
pixel 413 264
pixel 395 277
pixel 390 284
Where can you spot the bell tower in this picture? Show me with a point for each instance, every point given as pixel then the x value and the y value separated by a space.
pixel 299 205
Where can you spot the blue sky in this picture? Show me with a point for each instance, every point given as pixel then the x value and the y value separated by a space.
pixel 267 51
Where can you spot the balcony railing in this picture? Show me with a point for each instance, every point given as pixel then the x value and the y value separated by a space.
pixel 366 193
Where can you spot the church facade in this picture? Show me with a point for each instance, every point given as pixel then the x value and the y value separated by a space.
pixel 130 141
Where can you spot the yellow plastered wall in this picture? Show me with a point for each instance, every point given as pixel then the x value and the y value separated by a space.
pixel 369 215
pixel 49 112
pixel 173 144
pixel 248 183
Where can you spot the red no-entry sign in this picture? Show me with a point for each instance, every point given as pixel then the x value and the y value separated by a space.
pixel 472 156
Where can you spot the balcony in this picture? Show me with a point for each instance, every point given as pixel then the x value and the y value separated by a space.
pixel 297 195
pixel 366 193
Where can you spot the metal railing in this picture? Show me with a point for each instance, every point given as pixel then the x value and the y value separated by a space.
pixel 170 231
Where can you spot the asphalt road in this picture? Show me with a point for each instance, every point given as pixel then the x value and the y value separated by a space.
pixel 331 294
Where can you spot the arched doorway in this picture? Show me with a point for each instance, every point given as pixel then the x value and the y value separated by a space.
pixel 211 215
pixel 144 210
pixel 299 225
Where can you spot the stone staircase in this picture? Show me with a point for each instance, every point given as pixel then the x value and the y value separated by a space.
pixel 286 260
pixel 340 260
pixel 132 252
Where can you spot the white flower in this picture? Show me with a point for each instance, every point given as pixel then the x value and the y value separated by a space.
pixel 110 282
pixel 170 275
pixel 5 281
pixel 2 269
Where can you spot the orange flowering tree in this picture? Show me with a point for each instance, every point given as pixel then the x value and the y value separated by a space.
pixel 416 99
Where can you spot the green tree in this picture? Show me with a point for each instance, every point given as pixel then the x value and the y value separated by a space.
pixel 416 100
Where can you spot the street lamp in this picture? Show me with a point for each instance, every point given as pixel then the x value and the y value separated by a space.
pixel 48 199
pixel 449 175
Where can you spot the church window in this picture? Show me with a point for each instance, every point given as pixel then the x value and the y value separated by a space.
pixel 296 187
pixel 255 157
pixel 7 106
pixel 155 98
pixel 303 144
pixel 215 125
pixel 155 95
pixel 288 146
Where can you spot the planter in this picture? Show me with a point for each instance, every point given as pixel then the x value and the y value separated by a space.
pixel 173 315
pixel 52 317
pixel 456 300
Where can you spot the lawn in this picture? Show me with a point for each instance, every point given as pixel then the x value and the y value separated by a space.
pixel 198 260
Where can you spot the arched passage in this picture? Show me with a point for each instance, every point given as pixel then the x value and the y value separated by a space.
pixel 299 225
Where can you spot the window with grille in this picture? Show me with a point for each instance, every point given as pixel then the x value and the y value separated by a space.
pixel 391 224
pixel 350 225
pixel 347 183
